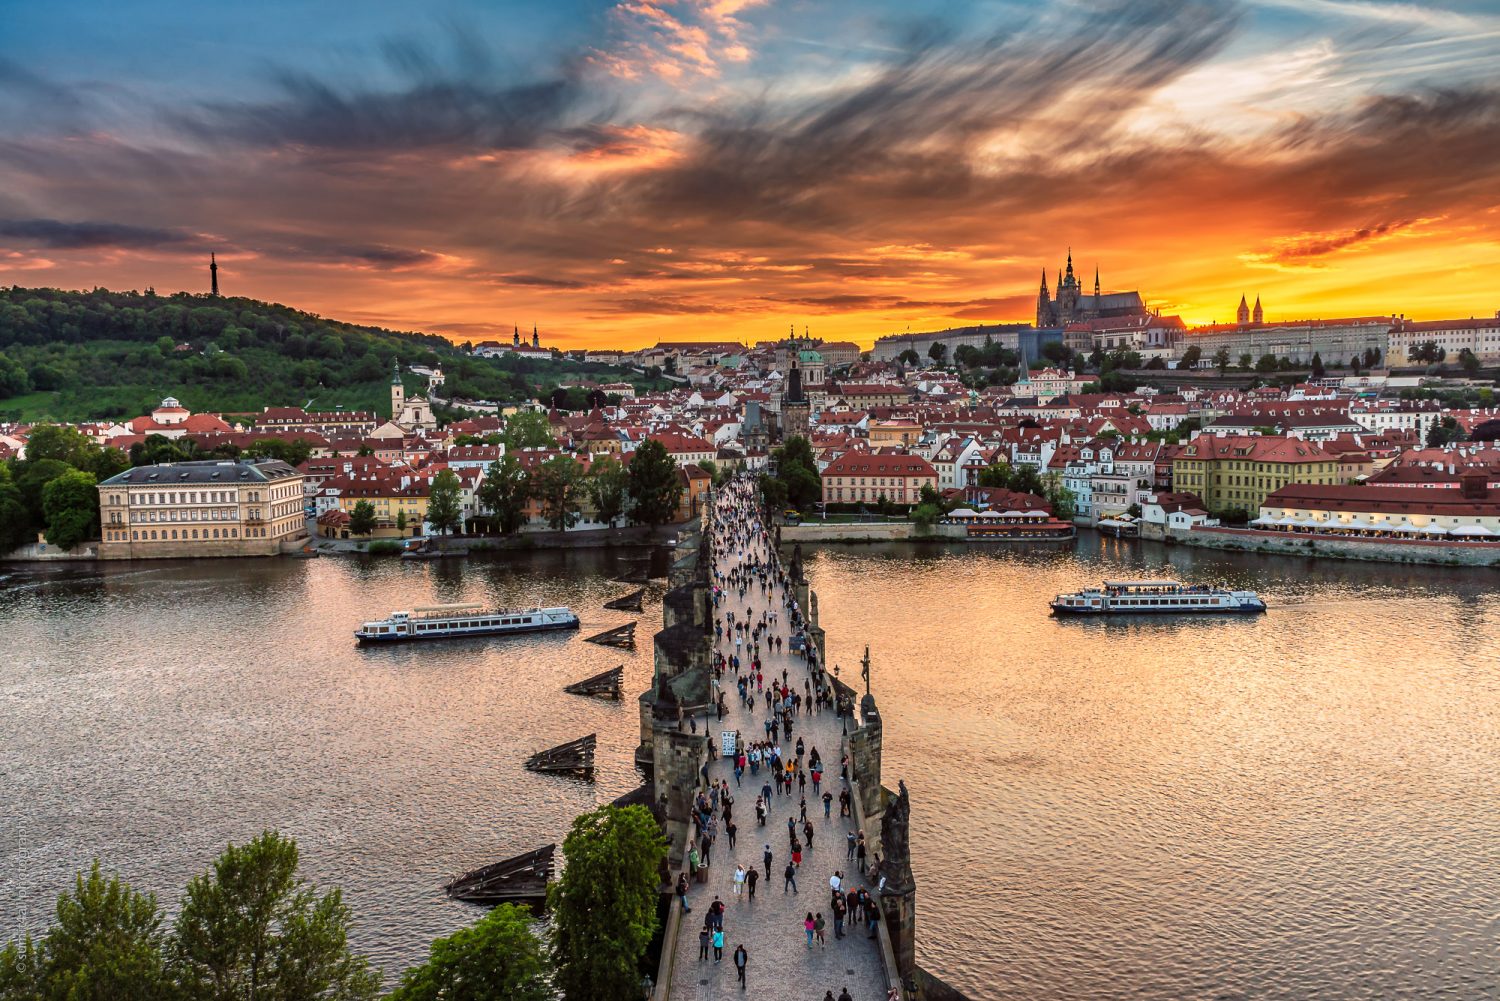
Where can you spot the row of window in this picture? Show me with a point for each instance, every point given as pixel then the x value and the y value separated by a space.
pixel 183 534
pixel 183 514
pixel 170 535
pixel 877 481
pixel 897 496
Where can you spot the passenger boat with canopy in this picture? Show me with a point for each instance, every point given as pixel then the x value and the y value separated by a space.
pixel 1147 597
pixel 444 621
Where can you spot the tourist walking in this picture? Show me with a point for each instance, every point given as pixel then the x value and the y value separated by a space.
pixel 790 876
pixel 808 924
pixel 704 938
pixel 741 958
pixel 718 944
pixel 739 880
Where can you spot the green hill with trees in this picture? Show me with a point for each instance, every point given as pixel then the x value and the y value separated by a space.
pixel 71 355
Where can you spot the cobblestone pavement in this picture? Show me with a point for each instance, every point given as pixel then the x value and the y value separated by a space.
pixel 780 967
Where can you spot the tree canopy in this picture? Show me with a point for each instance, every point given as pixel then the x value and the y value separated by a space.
pixel 654 487
pixel 70 504
pixel 503 494
pixel 362 518
pixel 495 959
pixel 608 487
pixel 604 906
pixel 445 510
pixel 248 929
pixel 556 485
pixel 797 472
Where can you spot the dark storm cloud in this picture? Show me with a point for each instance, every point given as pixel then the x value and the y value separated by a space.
pixel 538 281
pixel 315 115
pixel 55 234
pixel 660 305
pixel 457 97
pixel 371 255
pixel 1302 248
pixel 908 132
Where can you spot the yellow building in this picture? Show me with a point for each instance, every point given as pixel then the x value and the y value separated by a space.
pixel 206 508
pixel 390 499
pixel 1240 471
pixel 894 433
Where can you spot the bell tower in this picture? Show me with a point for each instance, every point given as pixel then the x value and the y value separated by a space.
pixel 398 392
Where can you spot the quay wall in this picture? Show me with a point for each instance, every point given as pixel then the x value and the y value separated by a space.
pixel 39 552
pixel 1475 554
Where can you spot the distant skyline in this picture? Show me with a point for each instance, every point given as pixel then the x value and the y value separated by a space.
pixel 618 173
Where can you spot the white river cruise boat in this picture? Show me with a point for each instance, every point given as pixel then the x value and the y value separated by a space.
pixel 443 621
pixel 1147 597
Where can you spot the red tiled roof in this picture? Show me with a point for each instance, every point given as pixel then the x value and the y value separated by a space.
pixel 1385 500
pixel 880 464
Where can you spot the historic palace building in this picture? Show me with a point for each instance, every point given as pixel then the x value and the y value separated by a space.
pixel 215 507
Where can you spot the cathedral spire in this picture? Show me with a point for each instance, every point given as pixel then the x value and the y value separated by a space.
pixel 1044 281
pixel 1259 315
pixel 1242 314
pixel 1070 262
pixel 1096 282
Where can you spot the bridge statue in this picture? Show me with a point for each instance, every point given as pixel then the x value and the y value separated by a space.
pixel 895 838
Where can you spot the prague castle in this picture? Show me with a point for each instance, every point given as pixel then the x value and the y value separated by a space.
pixel 1071 305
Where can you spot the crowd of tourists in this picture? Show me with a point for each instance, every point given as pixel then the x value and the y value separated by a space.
pixel 756 616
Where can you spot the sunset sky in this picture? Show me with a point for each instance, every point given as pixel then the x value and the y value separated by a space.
pixel 620 173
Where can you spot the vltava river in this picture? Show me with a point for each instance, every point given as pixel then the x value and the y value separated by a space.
pixel 1299 805
pixel 1305 804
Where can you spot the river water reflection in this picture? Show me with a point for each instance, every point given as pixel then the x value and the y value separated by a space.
pixel 1304 804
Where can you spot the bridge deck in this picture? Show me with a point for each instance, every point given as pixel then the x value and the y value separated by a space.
pixel 780 967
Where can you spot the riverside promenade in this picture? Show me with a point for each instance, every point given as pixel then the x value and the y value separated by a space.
pixel 771 926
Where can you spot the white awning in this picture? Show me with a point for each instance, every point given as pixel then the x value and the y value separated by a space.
pixel 1475 530
pixel 1405 528
pixel 1263 520
pixel 1435 530
pixel 1357 524
pixel 1015 514
pixel 1288 521
pixel 961 512
pixel 988 514
pixel 1309 523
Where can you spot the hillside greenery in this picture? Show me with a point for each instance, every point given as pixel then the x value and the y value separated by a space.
pixel 99 354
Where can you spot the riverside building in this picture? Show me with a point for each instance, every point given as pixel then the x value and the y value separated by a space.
pixel 204 508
